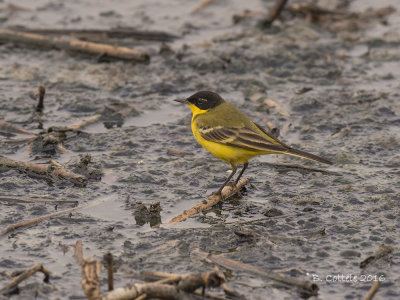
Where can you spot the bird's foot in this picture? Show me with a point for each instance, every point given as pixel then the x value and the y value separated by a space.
pixel 233 186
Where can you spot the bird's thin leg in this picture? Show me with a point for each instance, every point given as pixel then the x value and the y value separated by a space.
pixel 234 168
pixel 241 172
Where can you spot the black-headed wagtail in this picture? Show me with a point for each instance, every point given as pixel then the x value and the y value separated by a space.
pixel 230 135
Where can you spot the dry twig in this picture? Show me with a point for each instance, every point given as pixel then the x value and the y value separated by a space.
pixel 262 272
pixel 110 278
pixel 177 152
pixel 275 12
pixel 90 278
pixel 41 200
pixel 201 5
pixel 117 32
pixel 78 252
pixel 271 103
pixel 19 225
pixel 53 171
pixel 24 275
pixel 300 167
pixel 11 128
pixel 45 217
pixel 73 45
pixel 383 250
pixel 86 122
pixel 252 221
pixel 314 12
pixel 42 92
pixel 212 200
pixel 233 293
pixel 188 283
pixel 372 291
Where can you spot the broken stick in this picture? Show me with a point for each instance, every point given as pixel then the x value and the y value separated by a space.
pixel 11 128
pixel 117 32
pixel 108 258
pixel 262 272
pixel 75 45
pixel 37 220
pixel 91 278
pixel 78 252
pixel 188 283
pixel 86 122
pixel 383 251
pixel 24 275
pixel 275 12
pixel 227 192
pixel 42 92
pixel 41 200
pixel 51 171
pixel 372 291
pixel 201 5
pixel 45 217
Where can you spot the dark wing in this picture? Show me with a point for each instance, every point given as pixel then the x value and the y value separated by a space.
pixel 249 139
pixel 241 137
pixel 271 135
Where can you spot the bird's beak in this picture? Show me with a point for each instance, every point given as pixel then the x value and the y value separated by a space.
pixel 182 100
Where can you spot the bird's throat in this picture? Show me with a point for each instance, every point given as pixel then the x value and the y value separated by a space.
pixel 196 111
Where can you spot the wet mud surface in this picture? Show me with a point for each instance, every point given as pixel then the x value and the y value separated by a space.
pixel 336 84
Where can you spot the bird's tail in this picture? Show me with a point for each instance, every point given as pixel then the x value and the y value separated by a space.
pixel 307 155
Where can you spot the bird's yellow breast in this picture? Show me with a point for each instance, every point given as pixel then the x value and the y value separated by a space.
pixel 233 155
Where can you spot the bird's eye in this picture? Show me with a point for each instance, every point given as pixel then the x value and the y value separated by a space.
pixel 201 100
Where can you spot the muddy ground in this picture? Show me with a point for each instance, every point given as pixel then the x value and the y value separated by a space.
pixel 337 216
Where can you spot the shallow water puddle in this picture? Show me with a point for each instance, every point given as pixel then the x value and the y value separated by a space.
pixel 110 209
pixel 165 114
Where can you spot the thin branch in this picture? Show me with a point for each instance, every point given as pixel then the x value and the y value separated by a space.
pixel 42 92
pixel 118 32
pixel 52 171
pixel 41 200
pixel 73 45
pixel 86 122
pixel 266 219
pixel 11 128
pixel 383 251
pixel 201 5
pixel 90 278
pixel 188 283
pixel 78 252
pixel 24 275
pixel 212 200
pixel 176 152
pixel 275 12
pixel 23 224
pixel 296 166
pixel 110 276
pixel 262 272
pixel 372 291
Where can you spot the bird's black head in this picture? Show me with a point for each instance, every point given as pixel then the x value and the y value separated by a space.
pixel 205 100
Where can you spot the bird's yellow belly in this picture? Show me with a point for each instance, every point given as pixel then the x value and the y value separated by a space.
pixel 233 155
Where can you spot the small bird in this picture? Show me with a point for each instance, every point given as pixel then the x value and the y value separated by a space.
pixel 226 132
